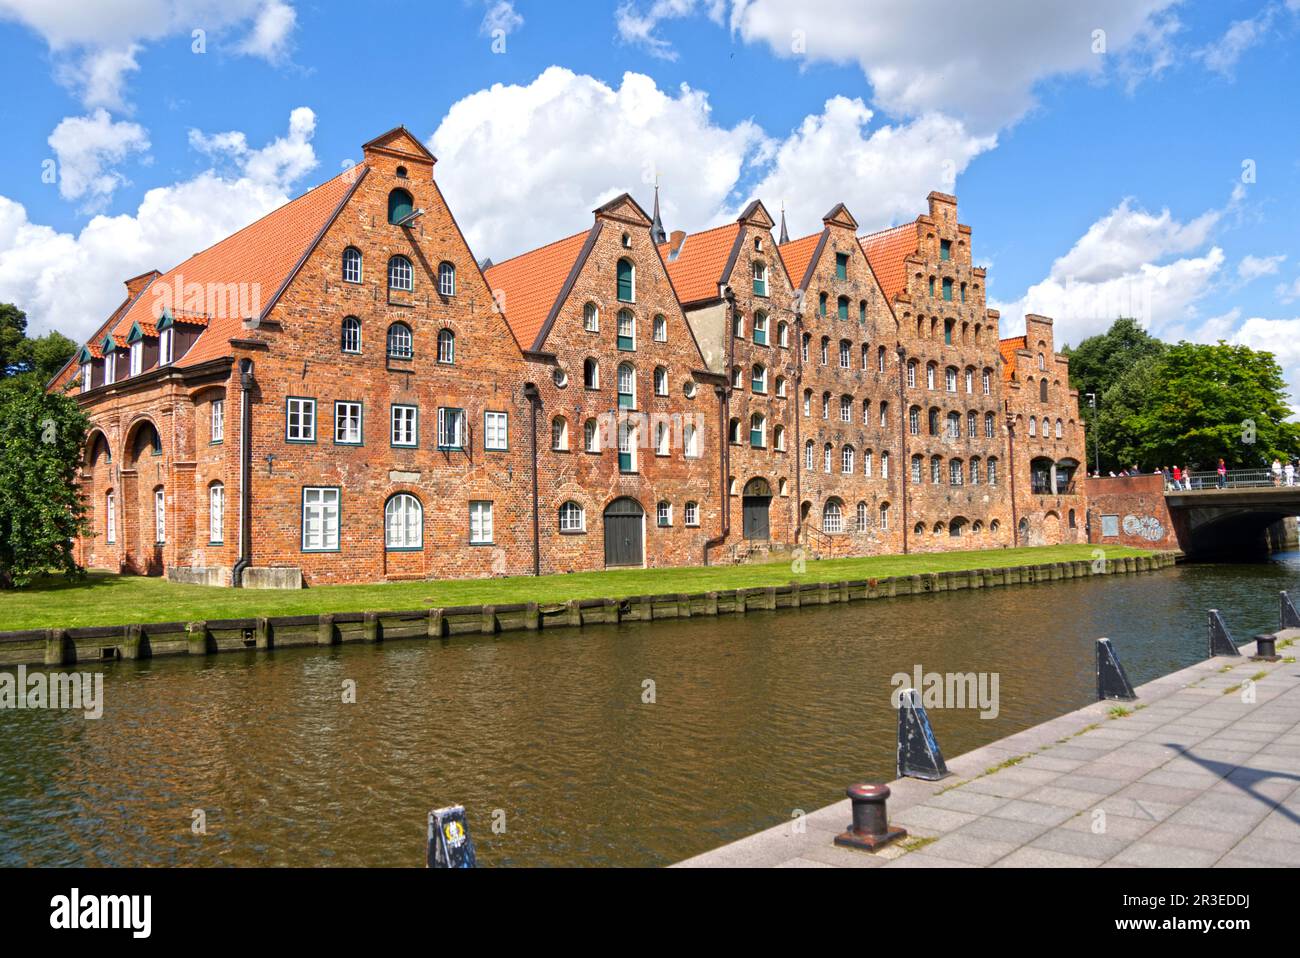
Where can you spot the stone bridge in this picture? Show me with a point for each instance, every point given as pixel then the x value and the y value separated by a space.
pixel 1231 521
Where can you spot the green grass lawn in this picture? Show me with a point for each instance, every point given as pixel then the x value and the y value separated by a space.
pixel 107 599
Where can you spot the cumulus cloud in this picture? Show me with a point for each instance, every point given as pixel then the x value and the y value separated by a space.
pixel 86 148
pixel 881 175
pixel 1127 237
pixel 95 44
pixel 979 61
pixel 525 165
pixel 1253 267
pixel 1222 55
pixel 72 281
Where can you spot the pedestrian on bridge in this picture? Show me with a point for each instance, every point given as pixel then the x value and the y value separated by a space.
pixel 1277 471
pixel 1178 479
pixel 1289 472
pixel 1223 474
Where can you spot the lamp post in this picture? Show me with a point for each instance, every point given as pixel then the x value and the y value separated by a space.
pixel 1096 444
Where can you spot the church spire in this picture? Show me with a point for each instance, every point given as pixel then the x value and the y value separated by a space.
pixel 785 236
pixel 657 234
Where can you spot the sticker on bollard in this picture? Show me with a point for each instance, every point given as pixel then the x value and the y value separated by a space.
pixel 1112 680
pixel 918 752
pixel 449 843
pixel 1289 618
pixel 1220 638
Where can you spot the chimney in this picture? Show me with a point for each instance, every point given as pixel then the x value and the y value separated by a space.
pixel 675 242
pixel 138 284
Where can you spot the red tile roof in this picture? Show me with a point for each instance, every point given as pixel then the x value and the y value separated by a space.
pixel 1007 348
pixel 260 258
pixel 697 270
pixel 887 252
pixel 531 282
pixel 797 254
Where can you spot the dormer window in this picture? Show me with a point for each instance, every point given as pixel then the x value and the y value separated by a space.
pixel 166 346
pixel 86 370
pixel 137 357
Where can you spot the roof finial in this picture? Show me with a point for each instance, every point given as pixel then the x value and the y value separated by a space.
pixel 657 234
pixel 785 236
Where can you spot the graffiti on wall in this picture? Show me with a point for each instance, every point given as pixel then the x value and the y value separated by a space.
pixel 1147 527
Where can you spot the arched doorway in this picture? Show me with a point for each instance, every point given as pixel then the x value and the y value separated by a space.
pixel 755 505
pixel 624 533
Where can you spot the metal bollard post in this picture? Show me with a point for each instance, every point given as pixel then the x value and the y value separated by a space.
pixel 1112 680
pixel 869 829
pixel 1266 649
pixel 1220 638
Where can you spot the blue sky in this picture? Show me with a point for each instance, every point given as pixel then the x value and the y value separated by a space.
pixel 1096 182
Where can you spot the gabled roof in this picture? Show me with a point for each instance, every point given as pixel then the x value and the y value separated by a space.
pixel 262 256
pixel 534 281
pixel 797 255
pixel 1007 349
pixel 701 262
pixel 887 252
pixel 840 215
pixel 400 141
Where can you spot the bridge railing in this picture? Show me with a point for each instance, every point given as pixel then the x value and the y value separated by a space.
pixel 1235 479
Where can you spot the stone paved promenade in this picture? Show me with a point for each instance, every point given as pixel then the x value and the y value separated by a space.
pixel 1192 776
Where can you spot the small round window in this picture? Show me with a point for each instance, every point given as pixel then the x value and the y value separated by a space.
pixel 560 378
pixel 689 388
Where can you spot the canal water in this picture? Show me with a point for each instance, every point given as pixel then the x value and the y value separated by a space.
pixel 632 745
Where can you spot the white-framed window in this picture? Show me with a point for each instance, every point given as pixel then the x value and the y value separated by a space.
pixel 757 431
pixel 832 517
pixel 480 522
pixel 159 515
pixel 984 382
pixel 846 460
pixel 884 465
pixel 451 428
pixel 690 441
pixel 400 341
pixel 351 335
pixel 591 318
pixel 627 446
pixel 86 369
pixel 691 514
pixel 950 379
pixel 868 458
pixel 778 438
pixel 929 376
pixel 780 387
pixel 446 346
pixel 166 346
pixel 663 439
pixel 591 436
pixel 403 522
pixel 661 381
pixel 911 372
pixel 988 425
pixel 846 354
pixel 808 455
pixel 846 409
pixel 110 517
pixel 626 386
pixel 347 423
pixel 352 265
pixel 664 513
pixel 400 275
pixel 216 513
pixel 218 427
pixel 993 472
pixel 573 518
pixel 884 517
pixel 760 328
pixel 403 425
pixel 446 279
pixel 660 329
pixel 760 279
pixel 495 431
pixel 1033 426
pixel 560 434
pixel 137 357
pixel 826 458
pixel 783 334
pixel 320 519
pixel 860 523
pixel 758 378
pixel 626 329
pixel 110 368
pixel 300 419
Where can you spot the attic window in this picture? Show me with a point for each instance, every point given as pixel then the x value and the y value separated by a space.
pixel 627 241
pixel 758 243
pixel 401 172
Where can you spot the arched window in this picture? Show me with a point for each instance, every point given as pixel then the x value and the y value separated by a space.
pixel 780 387
pixel 446 346
pixel 832 517
pixel 970 380
pixel 1047 427
pixel 846 354
pixel 626 386
pixel 808 455
pixel 993 471
pixel 399 341
pixel 591 318
pixel 446 279
pixel 880 359
pixel 1041 364
pixel 400 206
pixel 400 275
pixel 626 275
pixel 916 469
pixel 661 381
pixel 827 451
pixel 933 422
pixel 972 425
pixel 690 441
pixel 591 436
pixel 760 279
pixel 590 373
pixel 778 438
pixel 868 459
pixel 986 381
pixel 936 470
pixel 664 513
pixel 352 265
pixel 757 430
pixel 1042 390
pixel 826 347
pixel 950 379
pixel 216 513
pixel 953 430
pixel 1033 426
pixel 988 425
pixel 403 522
pixel 975 470
pixel 659 329
pixel 662 438
pixel 884 465
pixel 842 308
pixel 1059 429
pixel 626 340
pixel 955 472
pixel 846 409
pixel 760 328
pixel 782 334
pixel 884 517
pixel 758 378
pixel 846 460
pixel 861 524
pixel 930 370
pixel 911 372
pixel 351 336
pixel 737 378
pixel 560 434
pixel 733 431
pixel 572 518
pixel 691 513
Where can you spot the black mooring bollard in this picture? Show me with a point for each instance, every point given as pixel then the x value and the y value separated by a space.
pixel 1289 617
pixel 1112 680
pixel 1266 649
pixel 1220 638
pixel 918 752
pixel 449 843
pixel 869 829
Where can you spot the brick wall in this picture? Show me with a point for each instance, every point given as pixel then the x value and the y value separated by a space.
pixel 1134 508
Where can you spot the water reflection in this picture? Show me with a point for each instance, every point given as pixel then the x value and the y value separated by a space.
pixel 754 717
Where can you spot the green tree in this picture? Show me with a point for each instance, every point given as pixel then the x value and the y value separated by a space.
pixel 41 510
pixel 13 339
pixel 19 354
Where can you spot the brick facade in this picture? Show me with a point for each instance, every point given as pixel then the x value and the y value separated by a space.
pixel 360 306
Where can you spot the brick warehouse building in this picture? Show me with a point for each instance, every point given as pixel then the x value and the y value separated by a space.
pixel 338 392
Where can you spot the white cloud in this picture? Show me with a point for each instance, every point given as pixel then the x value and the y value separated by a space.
pixel 1222 55
pixel 1126 237
pixel 980 61
pixel 501 15
pixel 882 176
pixel 1281 337
pixel 525 165
pixel 1288 292
pixel 1253 267
pixel 95 44
pixel 71 282
pixel 87 147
